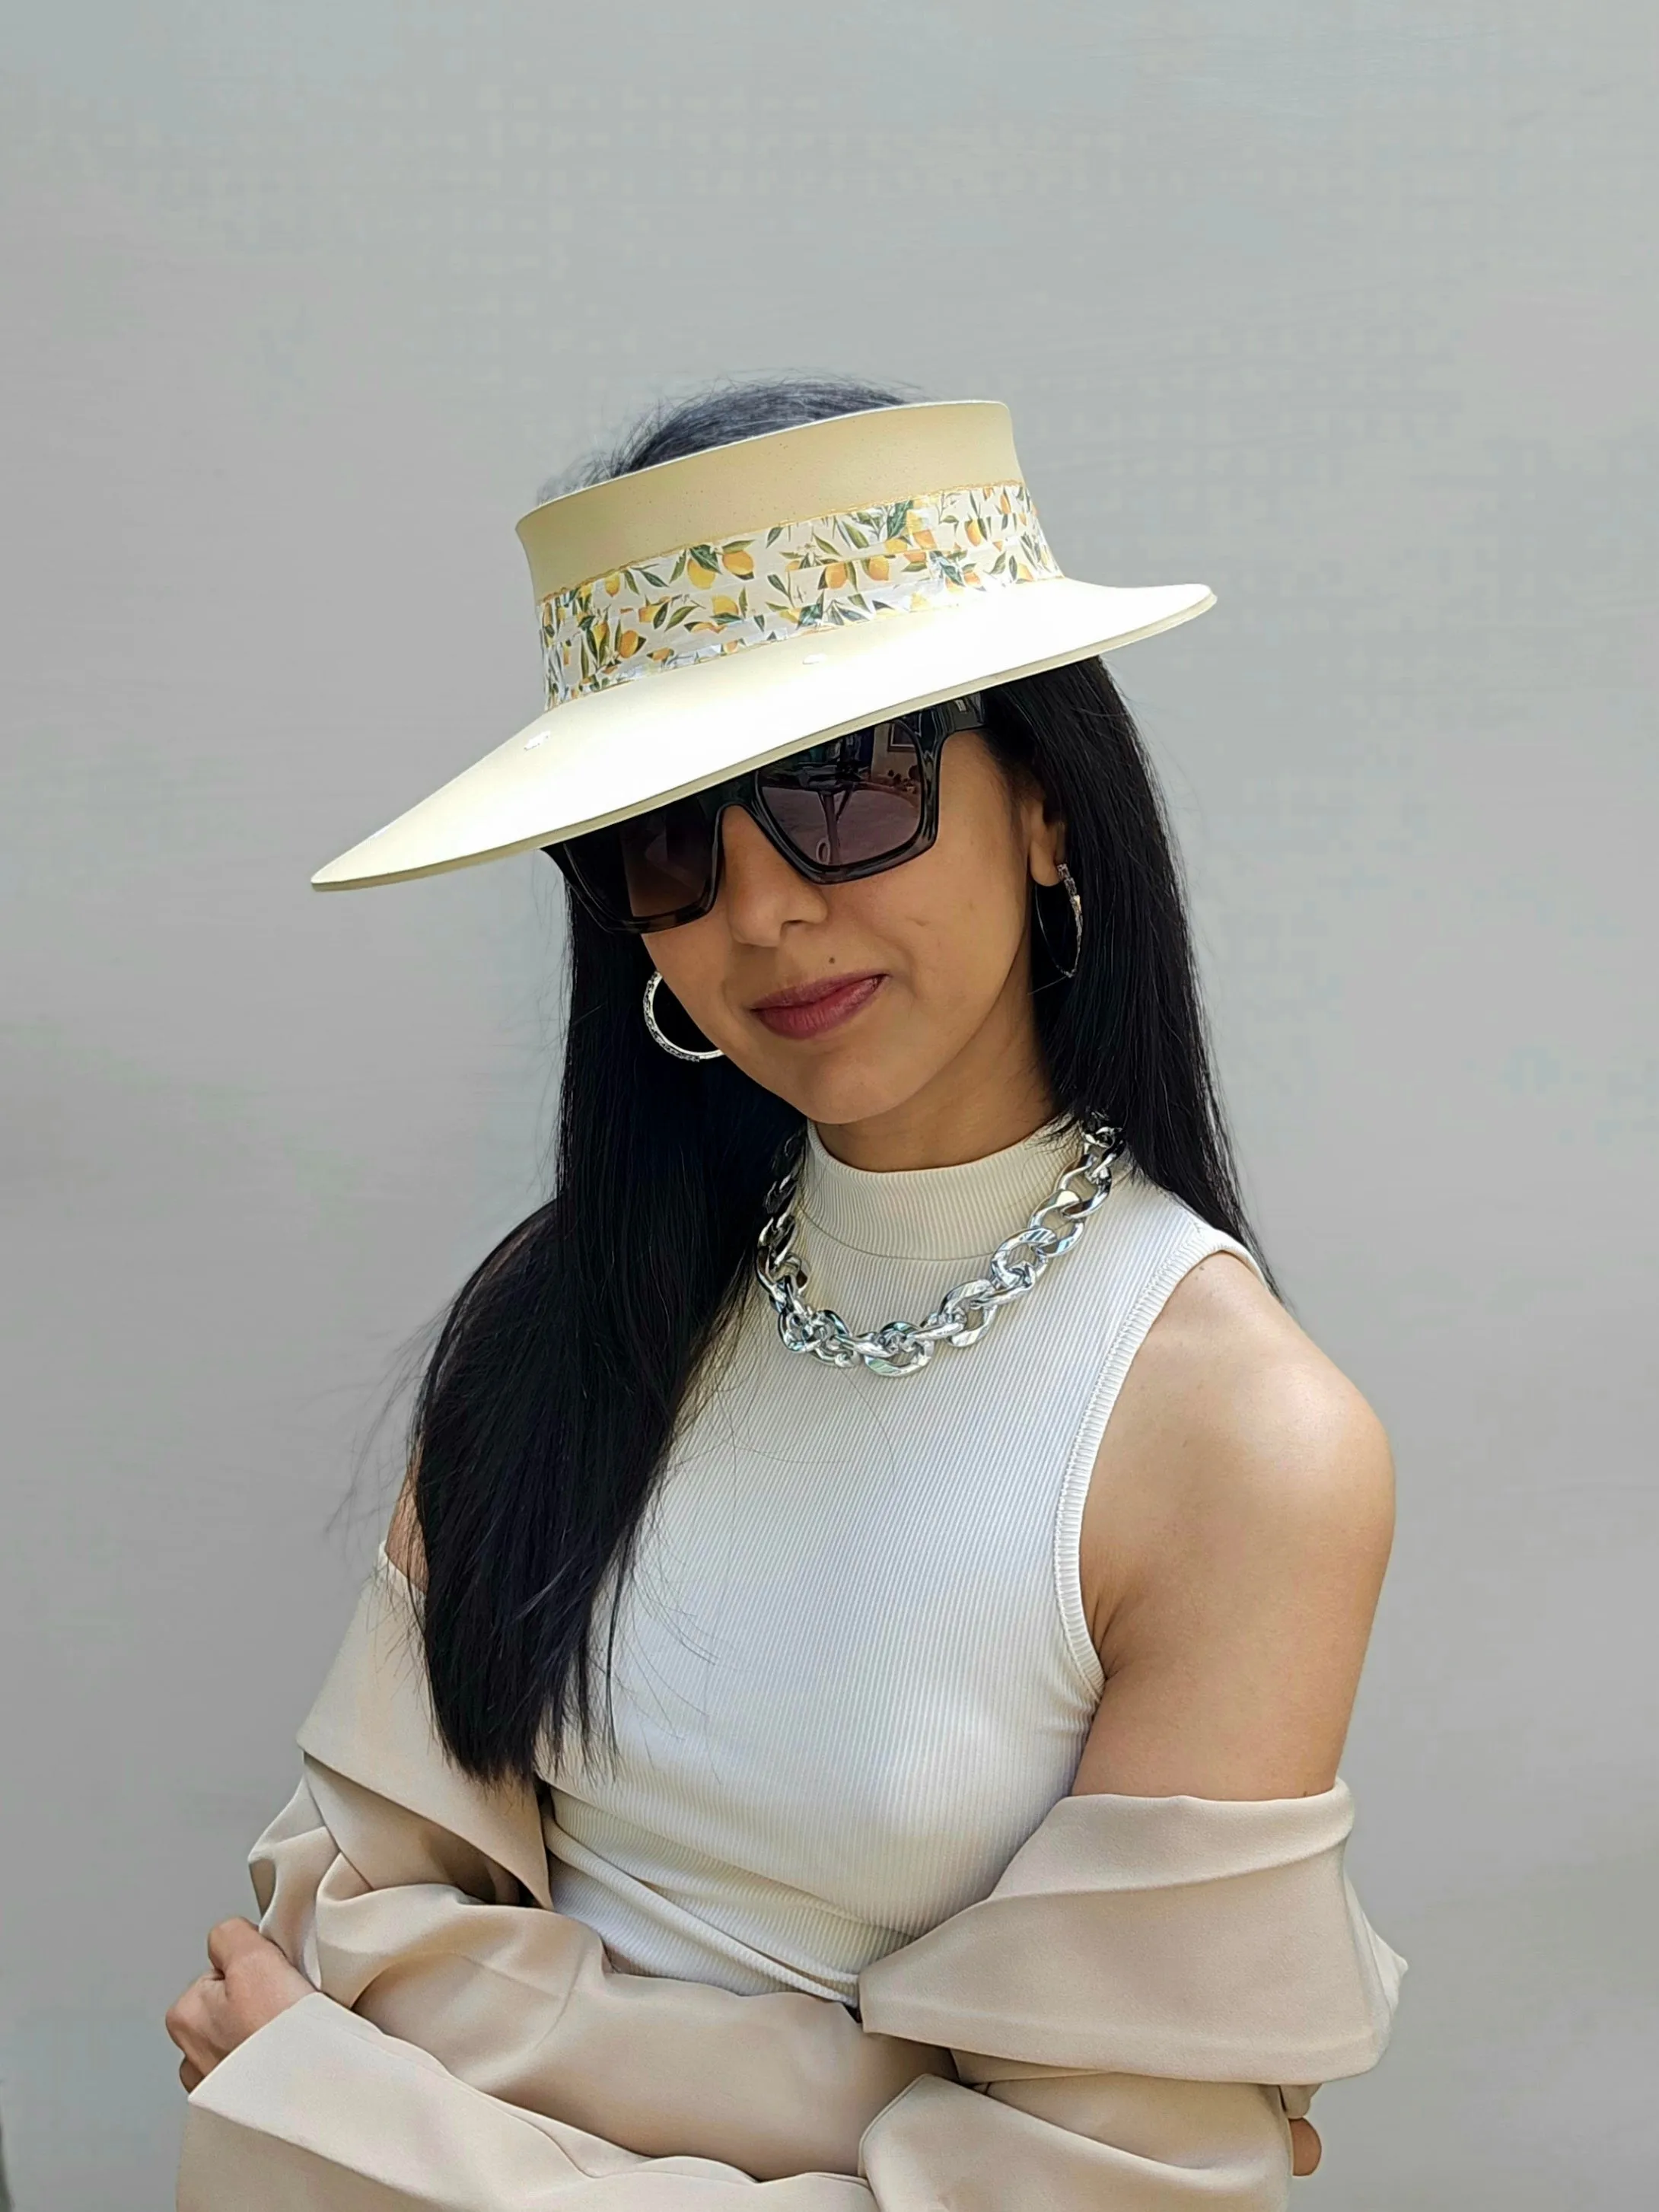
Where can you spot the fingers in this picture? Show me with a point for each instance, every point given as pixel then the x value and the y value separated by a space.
pixel 229 1940
pixel 249 1983
pixel 191 2024
pixel 1306 2148
pixel 258 1978
pixel 197 2022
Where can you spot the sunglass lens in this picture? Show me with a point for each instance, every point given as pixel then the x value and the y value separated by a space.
pixel 650 867
pixel 854 799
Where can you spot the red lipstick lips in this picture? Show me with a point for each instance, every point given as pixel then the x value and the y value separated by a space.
pixel 807 1009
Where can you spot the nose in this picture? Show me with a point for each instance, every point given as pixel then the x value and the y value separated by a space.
pixel 760 893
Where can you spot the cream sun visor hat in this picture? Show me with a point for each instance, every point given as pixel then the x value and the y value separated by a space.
pixel 716 612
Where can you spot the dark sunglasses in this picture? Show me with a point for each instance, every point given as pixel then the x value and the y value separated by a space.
pixel 849 807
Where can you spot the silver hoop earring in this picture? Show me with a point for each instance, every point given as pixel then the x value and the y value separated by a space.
pixel 675 1051
pixel 1075 899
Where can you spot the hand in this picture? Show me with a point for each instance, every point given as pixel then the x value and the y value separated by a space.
pixel 1305 2146
pixel 248 1983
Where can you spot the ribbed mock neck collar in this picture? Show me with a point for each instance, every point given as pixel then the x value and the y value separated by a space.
pixel 933 1213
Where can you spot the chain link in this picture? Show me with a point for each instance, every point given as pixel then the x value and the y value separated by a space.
pixel 963 1315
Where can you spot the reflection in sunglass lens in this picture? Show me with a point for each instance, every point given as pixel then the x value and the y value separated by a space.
pixel 666 857
pixel 648 867
pixel 855 799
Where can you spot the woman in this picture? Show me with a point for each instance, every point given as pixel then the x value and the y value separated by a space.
pixel 889 1570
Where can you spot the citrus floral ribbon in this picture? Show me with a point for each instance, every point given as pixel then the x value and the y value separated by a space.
pixel 699 601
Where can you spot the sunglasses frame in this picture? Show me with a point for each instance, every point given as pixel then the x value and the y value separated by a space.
pixel 933 725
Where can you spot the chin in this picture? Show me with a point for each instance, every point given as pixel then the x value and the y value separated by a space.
pixel 839 1095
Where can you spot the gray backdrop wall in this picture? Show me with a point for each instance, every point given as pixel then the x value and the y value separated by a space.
pixel 1345 308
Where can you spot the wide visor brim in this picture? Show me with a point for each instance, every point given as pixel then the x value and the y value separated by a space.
pixel 612 753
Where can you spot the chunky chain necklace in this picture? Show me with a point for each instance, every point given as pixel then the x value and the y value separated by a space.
pixel 963 1315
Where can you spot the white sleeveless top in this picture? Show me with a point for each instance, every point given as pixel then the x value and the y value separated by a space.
pixel 851 1670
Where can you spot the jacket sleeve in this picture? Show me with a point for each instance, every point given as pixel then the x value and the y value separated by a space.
pixel 1142 1999
pixel 323 2111
pixel 470 2050
pixel 412 1928
pixel 458 2012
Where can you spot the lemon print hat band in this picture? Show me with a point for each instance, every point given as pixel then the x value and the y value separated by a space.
pixel 695 601
pixel 719 612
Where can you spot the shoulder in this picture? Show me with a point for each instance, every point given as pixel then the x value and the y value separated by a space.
pixel 402 1537
pixel 1236 1444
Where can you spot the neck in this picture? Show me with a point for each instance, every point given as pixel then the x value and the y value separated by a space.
pixel 994 1093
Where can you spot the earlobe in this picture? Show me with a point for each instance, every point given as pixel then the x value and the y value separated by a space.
pixel 1046 853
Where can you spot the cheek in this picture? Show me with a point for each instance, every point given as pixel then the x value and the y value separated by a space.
pixel 956 929
pixel 691 961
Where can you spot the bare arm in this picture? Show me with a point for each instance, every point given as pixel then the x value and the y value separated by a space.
pixel 1234 1542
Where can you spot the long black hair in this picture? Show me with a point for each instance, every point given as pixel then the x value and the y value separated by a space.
pixel 547 1406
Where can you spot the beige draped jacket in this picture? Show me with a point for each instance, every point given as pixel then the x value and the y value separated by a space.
pixel 1122 2023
